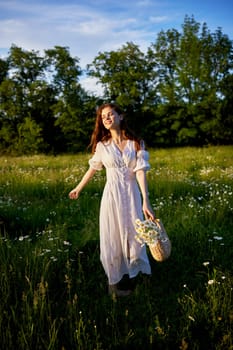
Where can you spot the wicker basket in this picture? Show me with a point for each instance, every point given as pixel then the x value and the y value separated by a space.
pixel 161 250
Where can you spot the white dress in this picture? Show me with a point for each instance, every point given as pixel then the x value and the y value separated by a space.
pixel 121 205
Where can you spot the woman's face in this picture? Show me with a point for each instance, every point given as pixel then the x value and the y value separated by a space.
pixel 110 118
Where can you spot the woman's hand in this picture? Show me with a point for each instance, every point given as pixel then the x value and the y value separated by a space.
pixel 146 207
pixel 148 211
pixel 74 194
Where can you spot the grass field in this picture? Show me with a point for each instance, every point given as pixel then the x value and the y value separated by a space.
pixel 53 288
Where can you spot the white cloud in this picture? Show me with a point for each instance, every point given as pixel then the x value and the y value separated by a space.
pixel 91 85
pixel 86 27
pixel 84 30
pixel 158 19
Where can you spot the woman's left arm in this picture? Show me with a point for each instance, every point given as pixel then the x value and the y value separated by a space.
pixel 146 206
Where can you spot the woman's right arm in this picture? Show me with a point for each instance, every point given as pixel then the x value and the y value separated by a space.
pixel 74 194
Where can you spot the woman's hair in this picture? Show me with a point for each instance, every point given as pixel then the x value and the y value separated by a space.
pixel 100 133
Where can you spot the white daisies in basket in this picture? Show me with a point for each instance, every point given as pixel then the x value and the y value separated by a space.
pixel 148 231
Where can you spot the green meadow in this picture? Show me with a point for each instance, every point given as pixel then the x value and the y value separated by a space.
pixel 53 288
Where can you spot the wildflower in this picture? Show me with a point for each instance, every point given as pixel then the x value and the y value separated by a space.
pixel 206 263
pixel 210 282
pixel 191 318
pixel 21 238
pixel 218 238
pixel 148 231
pixel 47 250
pixel 53 258
pixel 66 243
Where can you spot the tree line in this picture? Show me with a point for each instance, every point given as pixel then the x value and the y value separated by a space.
pixel 178 92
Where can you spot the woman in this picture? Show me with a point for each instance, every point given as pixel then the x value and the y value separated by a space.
pixel 126 161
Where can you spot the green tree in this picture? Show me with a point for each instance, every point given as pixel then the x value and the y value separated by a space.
pixel 10 114
pixel 75 120
pixel 29 137
pixel 126 78
pixel 71 99
pixel 26 66
pixel 163 55
pixel 4 67
pixel 221 59
pixel 45 91
pixel 178 92
pixel 224 133
pixel 192 66
pixel 26 70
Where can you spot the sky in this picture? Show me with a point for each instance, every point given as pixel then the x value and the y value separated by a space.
pixel 88 27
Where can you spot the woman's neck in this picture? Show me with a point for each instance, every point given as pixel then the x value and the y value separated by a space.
pixel 117 136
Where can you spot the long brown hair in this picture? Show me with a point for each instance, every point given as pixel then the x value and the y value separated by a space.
pixel 100 133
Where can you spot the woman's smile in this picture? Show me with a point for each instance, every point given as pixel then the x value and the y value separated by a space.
pixel 110 117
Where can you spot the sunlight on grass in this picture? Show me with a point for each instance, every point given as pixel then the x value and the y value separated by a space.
pixel 53 288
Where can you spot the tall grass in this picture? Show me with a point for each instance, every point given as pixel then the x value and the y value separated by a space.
pixel 53 288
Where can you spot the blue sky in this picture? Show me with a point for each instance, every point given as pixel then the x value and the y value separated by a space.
pixel 93 26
